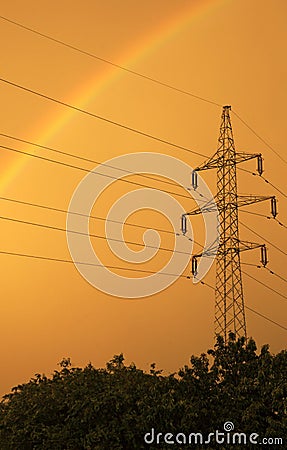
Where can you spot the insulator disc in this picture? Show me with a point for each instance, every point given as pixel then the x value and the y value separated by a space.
pixel 194 179
pixel 183 224
pixel 260 164
pixel 274 207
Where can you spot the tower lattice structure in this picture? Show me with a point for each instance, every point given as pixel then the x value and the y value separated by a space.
pixel 229 298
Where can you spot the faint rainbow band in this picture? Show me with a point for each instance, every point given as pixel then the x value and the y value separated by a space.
pixel 85 93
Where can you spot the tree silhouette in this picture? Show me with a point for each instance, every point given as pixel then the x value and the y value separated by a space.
pixel 113 408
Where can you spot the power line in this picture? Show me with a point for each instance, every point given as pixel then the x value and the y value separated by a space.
pixel 266 268
pixel 96 116
pixel 266 181
pixel 265 285
pixel 154 80
pixel 266 240
pixel 118 66
pixel 97 162
pixel 114 123
pixel 249 264
pixel 51 208
pixel 246 170
pixel 46 258
pixel 256 214
pixel 266 318
pixel 276 274
pixel 82 158
pixel 250 309
pixel 260 138
pixel 192 240
pixel 266 217
pixel 275 187
pixel 51 227
pixel 280 223
pixel 43 158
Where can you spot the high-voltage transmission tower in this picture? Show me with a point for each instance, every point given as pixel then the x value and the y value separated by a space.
pixel 229 299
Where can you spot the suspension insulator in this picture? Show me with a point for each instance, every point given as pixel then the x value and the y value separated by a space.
pixel 264 259
pixel 183 224
pixel 194 265
pixel 274 207
pixel 194 182
pixel 260 164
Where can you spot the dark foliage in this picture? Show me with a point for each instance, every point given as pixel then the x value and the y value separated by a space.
pixel 113 408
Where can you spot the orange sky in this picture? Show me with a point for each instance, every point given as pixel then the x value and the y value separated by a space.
pixel 231 52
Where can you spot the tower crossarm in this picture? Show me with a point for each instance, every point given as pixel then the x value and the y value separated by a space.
pixel 246 245
pixel 209 206
pixel 241 157
pixel 221 252
pixel 215 162
pixel 243 200
pixel 241 246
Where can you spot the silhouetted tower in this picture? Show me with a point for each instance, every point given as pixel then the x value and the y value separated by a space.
pixel 229 299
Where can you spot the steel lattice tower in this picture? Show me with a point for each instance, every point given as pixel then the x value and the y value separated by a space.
pixel 229 299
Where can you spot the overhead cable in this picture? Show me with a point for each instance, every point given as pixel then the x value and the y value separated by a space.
pixel 118 66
